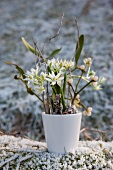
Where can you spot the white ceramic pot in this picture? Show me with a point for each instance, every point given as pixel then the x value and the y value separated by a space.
pixel 62 131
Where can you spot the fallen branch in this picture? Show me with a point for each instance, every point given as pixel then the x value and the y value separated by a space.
pixel 22 150
pixel 9 159
pixel 93 130
pixel 22 159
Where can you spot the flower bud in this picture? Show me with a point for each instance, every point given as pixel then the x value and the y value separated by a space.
pixel 78 96
pixel 84 112
pixel 82 67
pixel 88 61
pixel 102 80
pixel 95 78
pixel 94 84
pixel 70 81
pixel 88 113
pixel 92 73
pixel 89 109
pixel 31 77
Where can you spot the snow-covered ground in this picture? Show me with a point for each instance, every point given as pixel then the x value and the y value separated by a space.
pixel 21 153
pixel 40 19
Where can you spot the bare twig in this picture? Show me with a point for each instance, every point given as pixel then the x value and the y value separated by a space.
pixel 105 150
pixel 18 166
pixel 71 86
pixel 88 136
pixel 1 133
pixel 48 103
pixel 36 46
pixel 35 56
pixel 79 81
pixel 78 31
pixel 76 93
pixel 92 130
pixel 23 159
pixel 84 86
pixel 78 36
pixel 18 134
pixel 58 32
pixel 30 89
pixel 83 105
pixel 6 167
pixel 9 159
pixel 69 90
pixel 40 53
pixel 44 102
pixel 15 150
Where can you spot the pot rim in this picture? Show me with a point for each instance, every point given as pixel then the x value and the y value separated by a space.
pixel 62 115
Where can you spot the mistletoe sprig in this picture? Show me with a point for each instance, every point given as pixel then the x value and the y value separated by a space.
pixel 54 81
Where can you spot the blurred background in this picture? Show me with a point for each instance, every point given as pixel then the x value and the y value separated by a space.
pixel 40 19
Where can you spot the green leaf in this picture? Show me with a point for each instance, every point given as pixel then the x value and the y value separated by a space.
pixel 63 101
pixel 64 84
pixel 57 88
pixel 21 71
pixel 29 47
pixel 52 100
pixel 79 48
pixel 55 52
pixel 49 70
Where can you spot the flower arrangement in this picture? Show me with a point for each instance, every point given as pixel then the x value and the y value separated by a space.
pixel 55 82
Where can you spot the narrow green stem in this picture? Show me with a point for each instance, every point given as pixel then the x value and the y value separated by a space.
pixel 88 72
pixel 72 87
pixel 76 68
pixel 44 102
pixel 84 87
pixel 48 102
pixel 63 101
pixel 30 89
pixel 75 94
pixel 79 81
pixel 83 105
pixel 37 96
